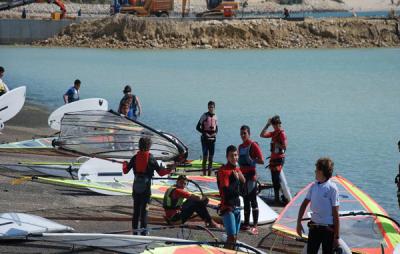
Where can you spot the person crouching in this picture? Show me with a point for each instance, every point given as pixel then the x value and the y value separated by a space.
pixel 179 210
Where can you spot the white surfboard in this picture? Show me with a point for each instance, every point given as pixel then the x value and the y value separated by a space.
pixel 11 103
pixel 81 105
pixel 22 224
pixel 285 187
pixel 265 215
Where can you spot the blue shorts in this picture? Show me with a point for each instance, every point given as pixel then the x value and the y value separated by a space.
pixel 232 222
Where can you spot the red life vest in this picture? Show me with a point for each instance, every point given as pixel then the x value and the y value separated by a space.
pixel 277 144
pixel 142 160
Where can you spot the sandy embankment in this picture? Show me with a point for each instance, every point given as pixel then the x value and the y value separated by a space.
pixel 124 31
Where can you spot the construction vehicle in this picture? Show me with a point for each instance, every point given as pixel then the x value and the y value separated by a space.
pixel 158 8
pixel 215 8
pixel 14 4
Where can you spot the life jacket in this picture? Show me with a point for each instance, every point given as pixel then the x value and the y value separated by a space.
pixel 234 184
pixel 73 97
pixel 277 143
pixel 210 123
pixel 244 156
pixel 142 161
pixel 169 202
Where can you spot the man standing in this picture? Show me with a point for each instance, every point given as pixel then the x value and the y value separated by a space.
pixel 72 94
pixel 249 155
pixel 278 148
pixel 176 209
pixel 143 165
pixel 208 127
pixel 229 178
pixel 3 87
pixel 135 108
pixel 324 197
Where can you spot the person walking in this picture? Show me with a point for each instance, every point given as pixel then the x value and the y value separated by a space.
pixel 72 93
pixel 324 198
pixel 208 127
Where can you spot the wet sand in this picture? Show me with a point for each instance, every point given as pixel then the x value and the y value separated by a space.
pixel 85 211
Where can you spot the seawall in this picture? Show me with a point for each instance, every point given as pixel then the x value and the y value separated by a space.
pixel 23 31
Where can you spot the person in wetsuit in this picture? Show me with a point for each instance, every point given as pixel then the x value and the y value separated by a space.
pixel 179 210
pixel 143 165
pixel 229 178
pixel 208 127
pixel 249 155
pixel 278 149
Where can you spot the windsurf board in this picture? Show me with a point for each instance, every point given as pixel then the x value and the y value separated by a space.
pixel 54 119
pixel 11 103
pixel 22 224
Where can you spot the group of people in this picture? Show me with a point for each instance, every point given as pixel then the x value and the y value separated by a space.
pixel 129 105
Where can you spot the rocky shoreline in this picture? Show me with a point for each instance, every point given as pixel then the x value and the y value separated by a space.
pixel 124 31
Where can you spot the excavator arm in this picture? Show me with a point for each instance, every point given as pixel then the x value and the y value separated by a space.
pixel 17 3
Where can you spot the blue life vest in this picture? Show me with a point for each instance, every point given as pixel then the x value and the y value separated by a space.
pixel 244 156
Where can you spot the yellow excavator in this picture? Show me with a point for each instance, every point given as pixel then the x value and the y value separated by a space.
pixel 158 8
pixel 215 8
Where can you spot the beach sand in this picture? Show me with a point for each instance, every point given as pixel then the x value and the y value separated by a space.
pixel 85 211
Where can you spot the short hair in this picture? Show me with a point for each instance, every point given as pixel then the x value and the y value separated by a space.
pixel 325 164
pixel 182 177
pixel 245 127
pixel 1 69
pixel 230 148
pixel 276 120
pixel 144 143
pixel 77 82
pixel 211 103
pixel 127 89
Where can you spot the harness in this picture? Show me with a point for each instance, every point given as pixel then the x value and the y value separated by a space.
pixel 169 202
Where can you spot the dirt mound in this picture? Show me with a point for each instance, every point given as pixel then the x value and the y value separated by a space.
pixel 124 31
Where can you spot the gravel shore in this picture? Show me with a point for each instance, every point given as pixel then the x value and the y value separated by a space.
pixel 79 208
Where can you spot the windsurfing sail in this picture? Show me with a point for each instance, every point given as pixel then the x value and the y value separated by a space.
pixel 133 244
pixel 363 233
pixel 22 224
pixel 107 134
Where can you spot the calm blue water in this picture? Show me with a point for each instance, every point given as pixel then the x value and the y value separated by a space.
pixel 339 103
